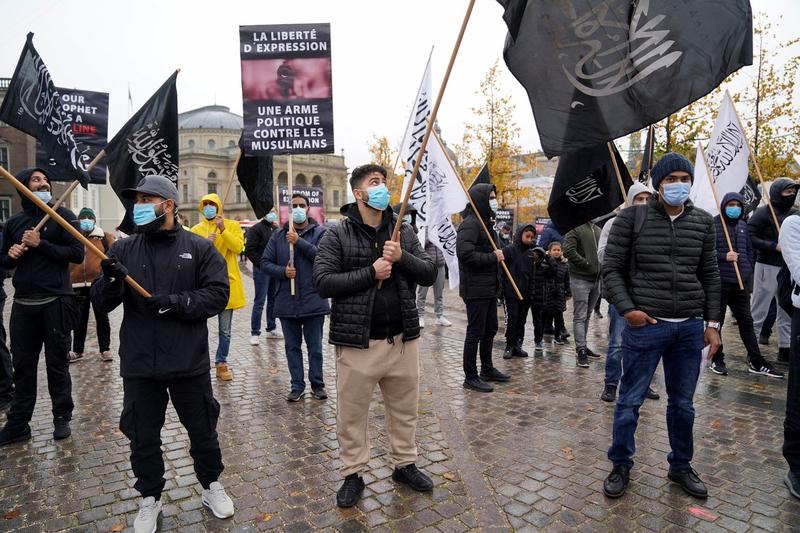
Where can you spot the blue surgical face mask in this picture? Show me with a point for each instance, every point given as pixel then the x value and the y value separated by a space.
pixel 378 197
pixel 144 214
pixel 209 211
pixel 733 212
pixel 271 217
pixel 298 215
pixel 676 194
pixel 44 196
pixel 407 219
pixel 87 224
pixel 493 205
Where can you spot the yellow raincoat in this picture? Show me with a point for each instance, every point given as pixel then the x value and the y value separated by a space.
pixel 230 244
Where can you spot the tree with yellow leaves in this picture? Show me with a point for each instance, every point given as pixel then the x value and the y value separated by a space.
pixel 384 155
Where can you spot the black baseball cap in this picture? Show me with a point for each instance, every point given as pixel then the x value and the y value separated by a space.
pixel 154 185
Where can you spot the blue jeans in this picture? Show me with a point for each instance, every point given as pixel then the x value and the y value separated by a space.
pixel 616 325
pixel 265 287
pixel 294 329
pixel 679 346
pixel 224 346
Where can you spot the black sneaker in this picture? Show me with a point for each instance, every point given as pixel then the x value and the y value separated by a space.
pixel 591 354
pixel 61 428
pixel 792 482
pixel 651 394
pixel 477 384
pixel 582 358
pixel 689 481
pixel 350 491
pixel 783 355
pixel 565 334
pixel 763 368
pixel 493 374
pixel 295 396
pixel 538 346
pixel 517 351
pixel 508 352
pixel 718 367
pixel 609 393
pixel 10 434
pixel 763 340
pixel 410 475
pixel 319 393
pixel 560 340
pixel 549 331
pixel 617 481
pixel 4 405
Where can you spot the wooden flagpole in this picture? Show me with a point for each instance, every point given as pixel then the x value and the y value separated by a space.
pixel 616 171
pixel 72 187
pixel 721 219
pixel 64 224
pixel 478 216
pixel 764 191
pixel 290 185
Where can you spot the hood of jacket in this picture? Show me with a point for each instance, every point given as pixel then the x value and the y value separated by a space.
pixel 777 187
pixel 24 176
pixel 214 199
pixel 728 198
pixel 480 197
pixel 636 189
pixel 523 229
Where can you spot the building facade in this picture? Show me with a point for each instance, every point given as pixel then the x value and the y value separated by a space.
pixel 209 139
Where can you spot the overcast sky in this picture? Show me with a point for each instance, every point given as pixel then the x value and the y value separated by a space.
pixel 379 51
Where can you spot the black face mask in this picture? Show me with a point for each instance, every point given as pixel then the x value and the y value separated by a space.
pixel 785 201
pixel 155 225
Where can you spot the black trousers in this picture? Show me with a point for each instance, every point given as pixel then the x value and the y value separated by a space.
pixel 144 405
pixel 516 316
pixel 769 322
pixel 34 326
pixel 554 320
pixel 791 425
pixel 537 317
pixel 6 366
pixel 481 329
pixel 739 302
pixel 82 296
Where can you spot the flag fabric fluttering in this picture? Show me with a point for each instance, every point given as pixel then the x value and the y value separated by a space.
pixel 751 195
pixel 586 186
pixel 647 158
pixel 146 145
pixel 483 176
pixel 727 156
pixel 255 174
pixel 32 104
pixel 635 62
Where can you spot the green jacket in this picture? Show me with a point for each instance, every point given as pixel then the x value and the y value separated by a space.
pixel 580 248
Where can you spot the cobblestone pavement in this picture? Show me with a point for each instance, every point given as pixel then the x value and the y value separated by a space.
pixel 531 456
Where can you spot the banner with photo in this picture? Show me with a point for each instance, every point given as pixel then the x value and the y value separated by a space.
pixel 287 89
pixel 316 203
pixel 86 112
pixel 504 217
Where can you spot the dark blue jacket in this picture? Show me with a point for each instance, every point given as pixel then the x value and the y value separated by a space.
pixel 549 235
pixel 740 239
pixel 306 302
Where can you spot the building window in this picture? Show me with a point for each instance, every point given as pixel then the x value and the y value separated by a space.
pixel 212 175
pixel 4 156
pixel 238 194
pixel 231 144
pixel 191 143
pixel 5 207
pixel 316 181
pixel 335 198
pixel 212 188
pixel 185 193
pixel 211 144
pixel 301 180
pixel 282 179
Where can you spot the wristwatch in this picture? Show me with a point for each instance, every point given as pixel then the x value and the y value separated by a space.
pixel 712 324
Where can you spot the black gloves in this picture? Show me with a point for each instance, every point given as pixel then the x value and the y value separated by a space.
pixel 160 304
pixel 113 270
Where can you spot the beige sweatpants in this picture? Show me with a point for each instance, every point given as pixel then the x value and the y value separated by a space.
pixel 395 368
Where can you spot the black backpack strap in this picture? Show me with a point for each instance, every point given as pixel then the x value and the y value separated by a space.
pixel 640 214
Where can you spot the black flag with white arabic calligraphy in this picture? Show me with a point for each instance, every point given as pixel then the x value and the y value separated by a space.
pixel 637 61
pixel 146 145
pixel 32 104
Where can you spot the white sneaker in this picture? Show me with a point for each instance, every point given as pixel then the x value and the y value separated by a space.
pixel 147 519
pixel 217 501
pixel 421 322
pixel 442 321
pixel 275 334
pixel 254 340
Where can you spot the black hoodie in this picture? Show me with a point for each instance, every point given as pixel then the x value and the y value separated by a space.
pixel 477 264
pixel 42 271
pixel 519 258
pixel 763 233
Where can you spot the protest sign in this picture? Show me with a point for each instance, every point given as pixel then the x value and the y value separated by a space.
pixel 316 203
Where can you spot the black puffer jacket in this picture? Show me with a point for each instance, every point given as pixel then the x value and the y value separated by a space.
pixel 343 271
pixel 542 274
pixel 519 259
pixel 676 273
pixel 763 234
pixel 558 288
pixel 477 264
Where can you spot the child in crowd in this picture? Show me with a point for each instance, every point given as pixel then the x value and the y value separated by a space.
pixel 558 293
pixel 541 276
pixel 518 257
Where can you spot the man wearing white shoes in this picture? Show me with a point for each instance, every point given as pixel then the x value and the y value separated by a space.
pixel 438 289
